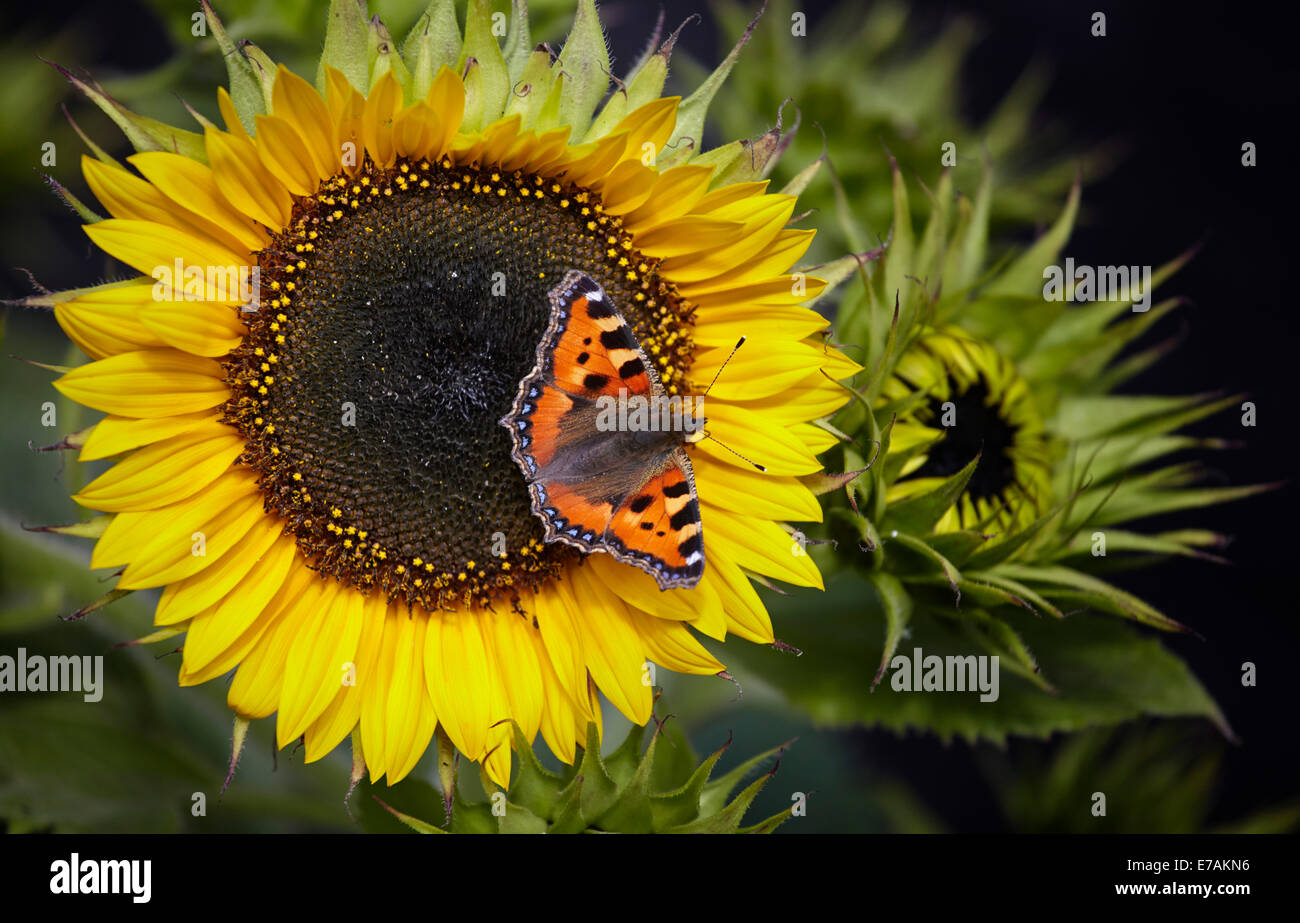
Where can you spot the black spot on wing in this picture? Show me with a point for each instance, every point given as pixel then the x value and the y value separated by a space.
pixel 685 516
pixel 597 306
pixel 681 488
pixel 640 503
pixel 594 382
pixel 631 368
pixel 618 338
pixel 583 357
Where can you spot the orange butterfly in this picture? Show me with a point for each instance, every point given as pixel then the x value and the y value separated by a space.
pixel 601 445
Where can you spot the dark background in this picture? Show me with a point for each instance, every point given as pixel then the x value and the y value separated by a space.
pixel 1184 86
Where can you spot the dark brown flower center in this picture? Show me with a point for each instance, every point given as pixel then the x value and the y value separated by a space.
pixel 399 311
pixel 977 428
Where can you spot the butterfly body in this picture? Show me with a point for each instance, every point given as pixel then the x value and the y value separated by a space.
pixel 602 479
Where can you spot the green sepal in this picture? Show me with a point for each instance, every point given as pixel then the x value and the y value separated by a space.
pixel 920 514
pixel 519 42
pixel 347 45
pixel 493 82
pixel 1024 276
pixel 757 156
pixel 145 134
pixel 100 154
pixel 926 560
pixel 585 62
pixel 471 817
pixel 597 790
pixel 433 43
pixel 384 58
pixel 688 135
pixel 473 79
pixel 681 805
pixel 83 211
pixel 1066 584
pixel 1185 543
pixel 1001 581
pixel 419 826
pixel 632 812
pixel 721 816
pixel 531 90
pixel 534 788
pixel 896 604
pixel 264 70
pixel 957 546
pixel 245 87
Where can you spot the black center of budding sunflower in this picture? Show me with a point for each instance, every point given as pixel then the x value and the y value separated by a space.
pixel 978 427
pixel 399 311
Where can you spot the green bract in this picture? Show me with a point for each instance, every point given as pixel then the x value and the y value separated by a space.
pixel 658 790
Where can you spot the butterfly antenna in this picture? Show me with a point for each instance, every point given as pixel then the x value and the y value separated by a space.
pixel 708 435
pixel 739 343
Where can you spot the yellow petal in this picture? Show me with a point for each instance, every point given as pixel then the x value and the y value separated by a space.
pixel 458 676
pixel 671 645
pixel 222 522
pixel 320 660
pixel 186 598
pixel 285 156
pixel 195 327
pixel 615 657
pixel 344 710
pixel 193 187
pixel 243 180
pixel 217 629
pixel 753 492
pixel 294 99
pixel 381 108
pixel 165 472
pixel 411 715
pixel 147 383
pixel 255 690
pixel 746 615
pixel 114 435
pixel 764 547
pixel 755 436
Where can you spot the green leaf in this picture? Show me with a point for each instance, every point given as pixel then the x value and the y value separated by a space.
pixel 1103 671
pixel 896 605
pixel 1063 583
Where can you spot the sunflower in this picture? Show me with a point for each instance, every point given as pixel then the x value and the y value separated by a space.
pixel 341 291
pixel 976 406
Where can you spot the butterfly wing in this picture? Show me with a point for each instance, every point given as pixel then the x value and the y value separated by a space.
pixel 657 527
pixel 586 483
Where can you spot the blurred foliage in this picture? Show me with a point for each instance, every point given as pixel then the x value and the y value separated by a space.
pixel 868 84
pixel 1156 779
